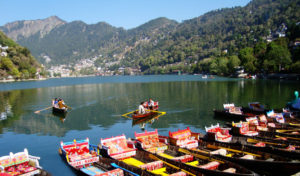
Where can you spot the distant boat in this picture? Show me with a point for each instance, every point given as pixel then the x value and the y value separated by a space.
pixel 204 76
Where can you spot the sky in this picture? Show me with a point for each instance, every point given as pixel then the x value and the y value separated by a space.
pixel 119 13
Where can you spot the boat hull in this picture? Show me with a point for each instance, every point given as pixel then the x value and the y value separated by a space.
pixel 136 116
pixel 59 111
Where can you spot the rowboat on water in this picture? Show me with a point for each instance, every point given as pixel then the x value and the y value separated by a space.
pixel 84 159
pixel 56 110
pixel 136 115
pixel 197 164
pixel 21 163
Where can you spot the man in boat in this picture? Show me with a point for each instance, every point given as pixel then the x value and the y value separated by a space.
pixel 141 109
pixel 61 104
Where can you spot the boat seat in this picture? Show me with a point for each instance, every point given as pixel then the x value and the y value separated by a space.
pixel 251 157
pixel 184 158
pixel 161 171
pixel 230 170
pixel 218 134
pixel 183 138
pixel 219 152
pixel 193 163
pixel 166 155
pixel 211 165
pixel 133 162
pixel 152 166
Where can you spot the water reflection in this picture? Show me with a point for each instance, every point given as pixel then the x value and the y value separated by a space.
pixel 187 102
pixel 143 121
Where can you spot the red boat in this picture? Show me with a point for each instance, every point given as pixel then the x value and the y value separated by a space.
pixel 136 115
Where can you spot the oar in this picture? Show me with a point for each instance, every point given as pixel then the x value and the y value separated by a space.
pixel 69 107
pixel 42 109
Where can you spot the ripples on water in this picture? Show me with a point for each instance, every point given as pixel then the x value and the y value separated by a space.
pixel 98 103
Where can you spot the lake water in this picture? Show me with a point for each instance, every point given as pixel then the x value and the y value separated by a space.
pixel 98 103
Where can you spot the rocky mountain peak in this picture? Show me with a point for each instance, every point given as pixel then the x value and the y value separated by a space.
pixel 27 28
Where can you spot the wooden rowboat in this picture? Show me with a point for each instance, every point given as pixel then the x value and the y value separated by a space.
pixel 21 163
pixel 256 160
pixel 201 163
pixel 59 110
pixel 82 157
pixel 136 115
pixel 126 155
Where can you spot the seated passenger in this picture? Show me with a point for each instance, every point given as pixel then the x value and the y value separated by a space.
pixel 55 103
pixel 150 104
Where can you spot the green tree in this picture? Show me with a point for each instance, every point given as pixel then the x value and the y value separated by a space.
pixel 247 59
pixel 277 58
pixel 233 62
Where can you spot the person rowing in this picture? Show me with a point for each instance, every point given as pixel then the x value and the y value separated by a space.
pixel 61 104
pixel 141 108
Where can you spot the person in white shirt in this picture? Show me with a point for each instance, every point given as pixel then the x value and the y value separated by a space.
pixel 141 108
pixel 150 104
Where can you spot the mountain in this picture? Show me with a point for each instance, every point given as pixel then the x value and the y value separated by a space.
pixel 15 60
pixel 161 42
pixel 24 29
pixel 67 42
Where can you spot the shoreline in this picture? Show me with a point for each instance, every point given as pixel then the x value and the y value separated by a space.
pixel 276 76
pixel 21 80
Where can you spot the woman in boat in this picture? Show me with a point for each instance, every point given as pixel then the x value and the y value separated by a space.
pixel 141 109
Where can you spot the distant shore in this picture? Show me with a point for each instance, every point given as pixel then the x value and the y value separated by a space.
pixel 278 76
pixel 19 80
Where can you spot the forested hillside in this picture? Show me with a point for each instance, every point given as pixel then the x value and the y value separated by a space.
pixel 221 36
pixel 263 36
pixel 15 60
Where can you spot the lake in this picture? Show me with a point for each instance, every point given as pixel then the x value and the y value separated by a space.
pixel 98 103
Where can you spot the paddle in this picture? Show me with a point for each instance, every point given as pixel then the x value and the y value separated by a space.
pixel 69 107
pixel 42 109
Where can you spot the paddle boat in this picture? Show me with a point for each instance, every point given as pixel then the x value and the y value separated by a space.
pixel 21 163
pixel 83 158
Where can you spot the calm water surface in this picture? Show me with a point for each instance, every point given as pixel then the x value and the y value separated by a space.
pixel 98 103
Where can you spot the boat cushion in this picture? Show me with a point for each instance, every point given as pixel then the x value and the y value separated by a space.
pixel 248 157
pixel 184 158
pixel 150 141
pixel 211 165
pixel 183 138
pixel 117 147
pixel 152 166
pixel 244 130
pixel 230 170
